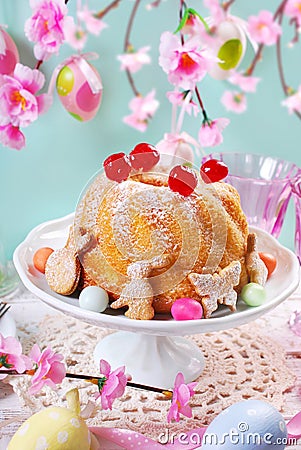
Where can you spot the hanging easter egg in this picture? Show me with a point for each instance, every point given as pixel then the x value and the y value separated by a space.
pixel 53 428
pixel 231 43
pixel 248 425
pixel 79 88
pixel 9 55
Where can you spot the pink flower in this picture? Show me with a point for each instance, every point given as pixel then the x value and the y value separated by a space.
pixel 12 137
pixel 210 133
pixel 46 27
pixel 293 102
pixel 19 104
pixel 75 36
pixel 182 393
pixel 234 101
pixel 11 355
pixel 177 98
pixel 111 384
pixel 93 24
pixel 133 61
pixel 184 64
pixel 143 109
pixel 246 83
pixel 178 145
pixel 49 370
pixel 263 29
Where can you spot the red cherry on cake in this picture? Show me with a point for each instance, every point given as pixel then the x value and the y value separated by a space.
pixel 183 180
pixel 144 157
pixel 213 170
pixel 116 167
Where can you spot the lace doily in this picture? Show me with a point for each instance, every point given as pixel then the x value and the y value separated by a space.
pixel 240 363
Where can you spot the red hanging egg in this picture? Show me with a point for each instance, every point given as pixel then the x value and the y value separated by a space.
pixel 9 55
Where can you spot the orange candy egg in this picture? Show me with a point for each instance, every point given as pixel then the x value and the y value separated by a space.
pixel 270 262
pixel 40 258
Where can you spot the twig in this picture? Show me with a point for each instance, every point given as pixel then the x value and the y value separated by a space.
pixel 108 8
pixel 127 45
pixel 94 380
pixel 227 5
pixel 201 103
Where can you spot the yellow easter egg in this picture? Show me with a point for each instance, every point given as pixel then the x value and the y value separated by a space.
pixel 53 428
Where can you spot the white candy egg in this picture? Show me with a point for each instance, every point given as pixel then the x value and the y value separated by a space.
pixel 94 298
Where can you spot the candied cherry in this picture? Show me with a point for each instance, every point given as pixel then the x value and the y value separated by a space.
pixel 213 170
pixel 144 157
pixel 117 167
pixel 183 180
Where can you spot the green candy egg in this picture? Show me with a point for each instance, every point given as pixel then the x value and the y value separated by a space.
pixel 253 294
pixel 65 81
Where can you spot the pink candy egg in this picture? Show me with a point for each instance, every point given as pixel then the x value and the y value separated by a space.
pixel 75 84
pixel 186 309
pixel 9 55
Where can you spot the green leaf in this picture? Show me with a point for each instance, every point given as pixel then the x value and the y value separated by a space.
pixel 191 12
pixel 230 54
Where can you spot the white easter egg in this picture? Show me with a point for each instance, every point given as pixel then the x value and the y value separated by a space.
pixel 94 298
pixel 248 425
pixel 231 48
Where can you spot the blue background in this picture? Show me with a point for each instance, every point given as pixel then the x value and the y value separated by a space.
pixel 43 181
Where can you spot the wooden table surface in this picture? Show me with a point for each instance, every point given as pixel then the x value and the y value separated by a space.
pixel 30 309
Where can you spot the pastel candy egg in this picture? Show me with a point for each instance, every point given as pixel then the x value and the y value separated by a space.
pixel 232 44
pixel 94 298
pixel 186 309
pixel 248 425
pixel 253 294
pixel 9 55
pixel 74 87
pixel 53 429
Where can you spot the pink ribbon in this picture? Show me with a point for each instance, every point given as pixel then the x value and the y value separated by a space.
pixel 81 61
pixel 128 439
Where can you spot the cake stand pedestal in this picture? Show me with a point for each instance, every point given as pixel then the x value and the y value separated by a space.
pixel 151 360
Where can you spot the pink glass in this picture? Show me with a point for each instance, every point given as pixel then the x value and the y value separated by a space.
pixel 296 190
pixel 264 185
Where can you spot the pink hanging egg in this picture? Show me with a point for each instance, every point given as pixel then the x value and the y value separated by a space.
pixel 79 88
pixel 9 55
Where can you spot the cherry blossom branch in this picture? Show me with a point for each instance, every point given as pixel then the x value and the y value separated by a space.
pixel 201 103
pixel 102 13
pixel 227 5
pixel 286 89
pixel 127 45
pixel 95 380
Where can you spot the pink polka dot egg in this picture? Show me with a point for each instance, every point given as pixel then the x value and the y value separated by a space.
pixel 79 88
pixel 9 55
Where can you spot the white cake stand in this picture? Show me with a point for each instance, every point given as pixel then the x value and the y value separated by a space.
pixel 153 351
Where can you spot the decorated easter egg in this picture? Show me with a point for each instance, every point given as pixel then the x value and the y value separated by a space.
pixel 54 428
pixel 9 55
pixel 94 298
pixel 231 44
pixel 248 425
pixel 79 88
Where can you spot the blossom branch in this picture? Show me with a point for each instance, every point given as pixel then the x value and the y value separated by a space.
pixel 127 45
pixel 227 5
pixel 95 380
pixel 102 13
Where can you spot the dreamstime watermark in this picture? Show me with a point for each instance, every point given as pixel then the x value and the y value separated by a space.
pixel 239 436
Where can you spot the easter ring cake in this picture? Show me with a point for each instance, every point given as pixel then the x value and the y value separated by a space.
pixel 149 235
